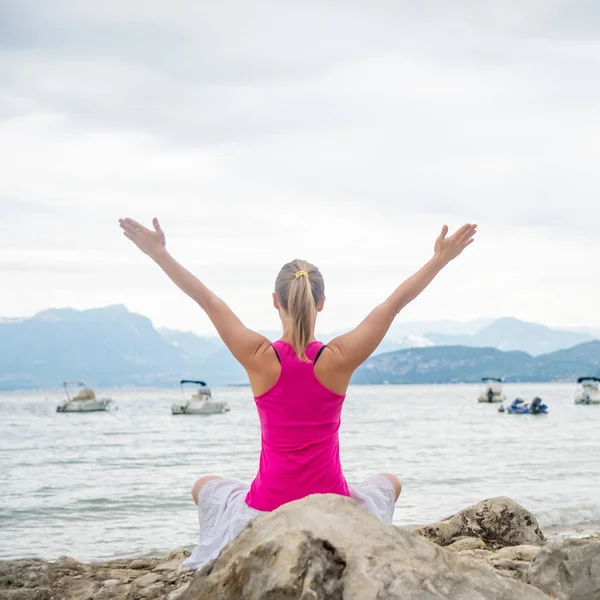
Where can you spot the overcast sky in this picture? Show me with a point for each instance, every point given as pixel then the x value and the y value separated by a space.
pixel 260 131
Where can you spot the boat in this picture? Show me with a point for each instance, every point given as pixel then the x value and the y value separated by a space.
pixel 491 390
pixel 84 401
pixel 588 390
pixel 199 403
pixel 520 407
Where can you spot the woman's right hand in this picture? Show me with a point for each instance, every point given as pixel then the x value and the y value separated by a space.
pixel 152 243
pixel 448 248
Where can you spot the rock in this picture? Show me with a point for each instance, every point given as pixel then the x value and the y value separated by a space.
pixel 516 567
pixel 179 575
pixel 524 552
pixel 143 563
pixel 478 555
pixel 178 594
pixel 147 579
pixel 567 570
pixel 69 579
pixel 468 543
pixel 172 561
pixel 25 580
pixel 513 561
pixel 151 591
pixel 69 565
pixel 328 547
pixel 498 522
pixel 26 594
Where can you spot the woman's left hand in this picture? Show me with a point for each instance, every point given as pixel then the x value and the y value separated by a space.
pixel 152 243
pixel 448 248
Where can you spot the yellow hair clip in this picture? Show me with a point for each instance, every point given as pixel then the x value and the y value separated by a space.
pixel 300 273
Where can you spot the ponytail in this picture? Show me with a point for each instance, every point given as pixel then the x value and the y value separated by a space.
pixel 299 288
pixel 302 310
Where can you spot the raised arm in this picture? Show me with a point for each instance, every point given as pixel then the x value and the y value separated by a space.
pixel 350 350
pixel 246 345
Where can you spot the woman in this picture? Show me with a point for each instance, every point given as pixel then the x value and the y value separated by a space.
pixel 299 385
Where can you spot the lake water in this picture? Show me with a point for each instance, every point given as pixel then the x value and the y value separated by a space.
pixel 106 485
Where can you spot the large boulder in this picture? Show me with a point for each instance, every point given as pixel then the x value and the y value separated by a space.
pixel 568 570
pixel 328 547
pixel 499 522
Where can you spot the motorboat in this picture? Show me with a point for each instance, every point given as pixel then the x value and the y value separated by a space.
pixel 199 403
pixel 491 390
pixel 588 390
pixel 84 401
pixel 520 407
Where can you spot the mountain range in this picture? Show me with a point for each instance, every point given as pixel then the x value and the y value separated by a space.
pixel 511 334
pixel 463 364
pixel 112 346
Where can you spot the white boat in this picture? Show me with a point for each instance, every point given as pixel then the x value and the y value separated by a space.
pixel 200 403
pixel 588 390
pixel 84 401
pixel 491 390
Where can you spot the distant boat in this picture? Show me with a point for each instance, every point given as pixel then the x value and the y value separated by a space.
pixel 84 401
pixel 491 390
pixel 588 391
pixel 200 403
pixel 519 407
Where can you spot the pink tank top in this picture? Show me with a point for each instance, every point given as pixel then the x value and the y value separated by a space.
pixel 299 420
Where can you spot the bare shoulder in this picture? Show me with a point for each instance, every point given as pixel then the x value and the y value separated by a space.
pixel 331 371
pixel 265 368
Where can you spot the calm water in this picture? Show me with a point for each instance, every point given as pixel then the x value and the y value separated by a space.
pixel 106 485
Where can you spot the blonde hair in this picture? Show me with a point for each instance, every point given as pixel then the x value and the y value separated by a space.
pixel 299 288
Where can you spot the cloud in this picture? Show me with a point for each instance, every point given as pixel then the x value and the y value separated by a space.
pixel 342 132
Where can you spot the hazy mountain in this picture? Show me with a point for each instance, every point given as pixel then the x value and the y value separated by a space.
pixel 504 334
pixel 223 369
pixel 101 346
pixel 407 341
pixel 591 331
pixel 211 356
pixel 451 364
pixel 197 347
pixel 423 328
pixel 580 361
pixel 112 346
pixel 512 334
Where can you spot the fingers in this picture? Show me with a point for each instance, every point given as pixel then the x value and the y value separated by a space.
pixel 156 225
pixel 133 225
pixel 469 233
pixel 125 226
pixel 465 232
pixel 442 235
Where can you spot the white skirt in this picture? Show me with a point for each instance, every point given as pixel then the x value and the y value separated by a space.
pixel 223 512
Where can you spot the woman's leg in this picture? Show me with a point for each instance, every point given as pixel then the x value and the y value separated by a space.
pixel 394 481
pixel 199 483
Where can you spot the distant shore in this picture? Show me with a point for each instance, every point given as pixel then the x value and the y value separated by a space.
pixel 58 389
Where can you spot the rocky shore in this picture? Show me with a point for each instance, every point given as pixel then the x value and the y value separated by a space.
pixel 329 548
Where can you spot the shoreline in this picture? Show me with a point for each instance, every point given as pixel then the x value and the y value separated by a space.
pixel 583 531
pixel 489 550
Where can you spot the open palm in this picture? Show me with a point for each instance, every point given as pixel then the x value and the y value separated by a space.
pixel 448 248
pixel 148 241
